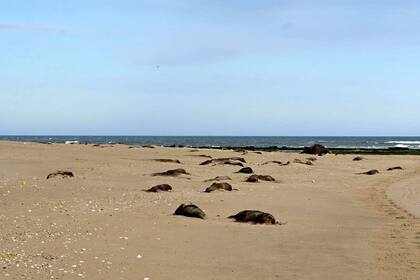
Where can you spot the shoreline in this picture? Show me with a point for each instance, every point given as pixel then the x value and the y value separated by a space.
pixel 342 151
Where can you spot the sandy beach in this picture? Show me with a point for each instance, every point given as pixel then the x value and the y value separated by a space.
pixel 100 224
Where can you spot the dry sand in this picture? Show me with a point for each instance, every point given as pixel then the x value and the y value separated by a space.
pixel 101 225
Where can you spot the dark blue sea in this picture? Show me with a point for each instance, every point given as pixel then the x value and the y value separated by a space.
pixel 237 141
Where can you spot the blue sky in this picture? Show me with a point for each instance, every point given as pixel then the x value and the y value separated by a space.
pixel 210 67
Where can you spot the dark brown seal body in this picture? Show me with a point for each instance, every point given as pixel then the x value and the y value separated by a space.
pixel 316 149
pixel 230 160
pixel 223 186
pixel 167 160
pixel 276 161
pixel 190 210
pixel 63 174
pixel 246 170
pixel 173 172
pixel 255 178
pixel 266 178
pixel 219 178
pixel 395 168
pixel 160 188
pixel 358 159
pixel 254 216
pixel 370 172
pixel 252 179
pixel 308 162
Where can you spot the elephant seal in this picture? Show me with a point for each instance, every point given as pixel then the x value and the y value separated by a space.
pixel 316 149
pixel 246 170
pixel 252 179
pixel 160 188
pixel 63 174
pixel 219 178
pixel 256 178
pixel 395 168
pixel 190 210
pixel 254 216
pixel 230 160
pixel 276 161
pixel 308 162
pixel 173 172
pixel 370 172
pixel 167 160
pixel 223 186
pixel 358 158
pixel 266 178
pixel 148 146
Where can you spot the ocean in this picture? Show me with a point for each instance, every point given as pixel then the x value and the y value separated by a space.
pixel 233 141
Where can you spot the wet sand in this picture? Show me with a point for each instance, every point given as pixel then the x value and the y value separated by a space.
pixel 102 225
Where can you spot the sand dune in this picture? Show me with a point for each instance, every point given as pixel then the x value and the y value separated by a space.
pixel 100 224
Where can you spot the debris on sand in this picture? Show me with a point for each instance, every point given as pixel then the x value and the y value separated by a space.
pixel 316 149
pixel 223 186
pixel 172 172
pixel 190 210
pixel 160 188
pixel 63 174
pixel 254 216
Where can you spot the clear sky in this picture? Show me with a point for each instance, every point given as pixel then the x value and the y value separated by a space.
pixel 210 67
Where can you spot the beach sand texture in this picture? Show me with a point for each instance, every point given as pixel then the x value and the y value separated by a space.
pixel 100 224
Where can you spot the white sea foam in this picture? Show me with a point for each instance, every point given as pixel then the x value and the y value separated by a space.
pixel 402 146
pixel 404 142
